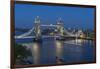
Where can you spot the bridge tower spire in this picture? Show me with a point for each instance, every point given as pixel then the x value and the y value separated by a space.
pixel 37 28
pixel 60 27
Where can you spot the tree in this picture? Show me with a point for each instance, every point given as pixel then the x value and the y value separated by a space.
pixel 21 52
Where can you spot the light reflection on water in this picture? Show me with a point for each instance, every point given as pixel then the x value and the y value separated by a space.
pixel 35 52
pixel 54 51
pixel 59 51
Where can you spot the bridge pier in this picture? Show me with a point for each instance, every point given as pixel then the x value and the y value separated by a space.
pixel 37 39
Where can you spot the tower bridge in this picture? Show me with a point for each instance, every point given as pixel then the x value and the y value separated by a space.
pixel 59 27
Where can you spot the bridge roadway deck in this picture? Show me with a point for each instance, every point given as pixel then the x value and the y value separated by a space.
pixel 42 37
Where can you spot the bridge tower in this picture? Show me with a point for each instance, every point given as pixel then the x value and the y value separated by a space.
pixel 60 28
pixel 37 28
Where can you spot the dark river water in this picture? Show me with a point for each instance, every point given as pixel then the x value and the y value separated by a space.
pixel 51 51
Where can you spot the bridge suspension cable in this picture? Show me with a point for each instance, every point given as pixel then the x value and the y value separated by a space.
pixel 25 34
pixel 68 33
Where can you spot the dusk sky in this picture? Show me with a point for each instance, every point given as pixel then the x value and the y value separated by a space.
pixel 73 17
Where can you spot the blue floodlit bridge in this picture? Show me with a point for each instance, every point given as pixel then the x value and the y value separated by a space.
pixel 59 29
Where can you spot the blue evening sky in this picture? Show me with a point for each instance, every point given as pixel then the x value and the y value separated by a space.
pixel 73 17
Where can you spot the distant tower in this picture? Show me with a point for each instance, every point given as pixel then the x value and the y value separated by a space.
pixel 37 27
pixel 60 28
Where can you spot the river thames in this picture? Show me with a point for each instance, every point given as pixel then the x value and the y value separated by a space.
pixel 51 51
